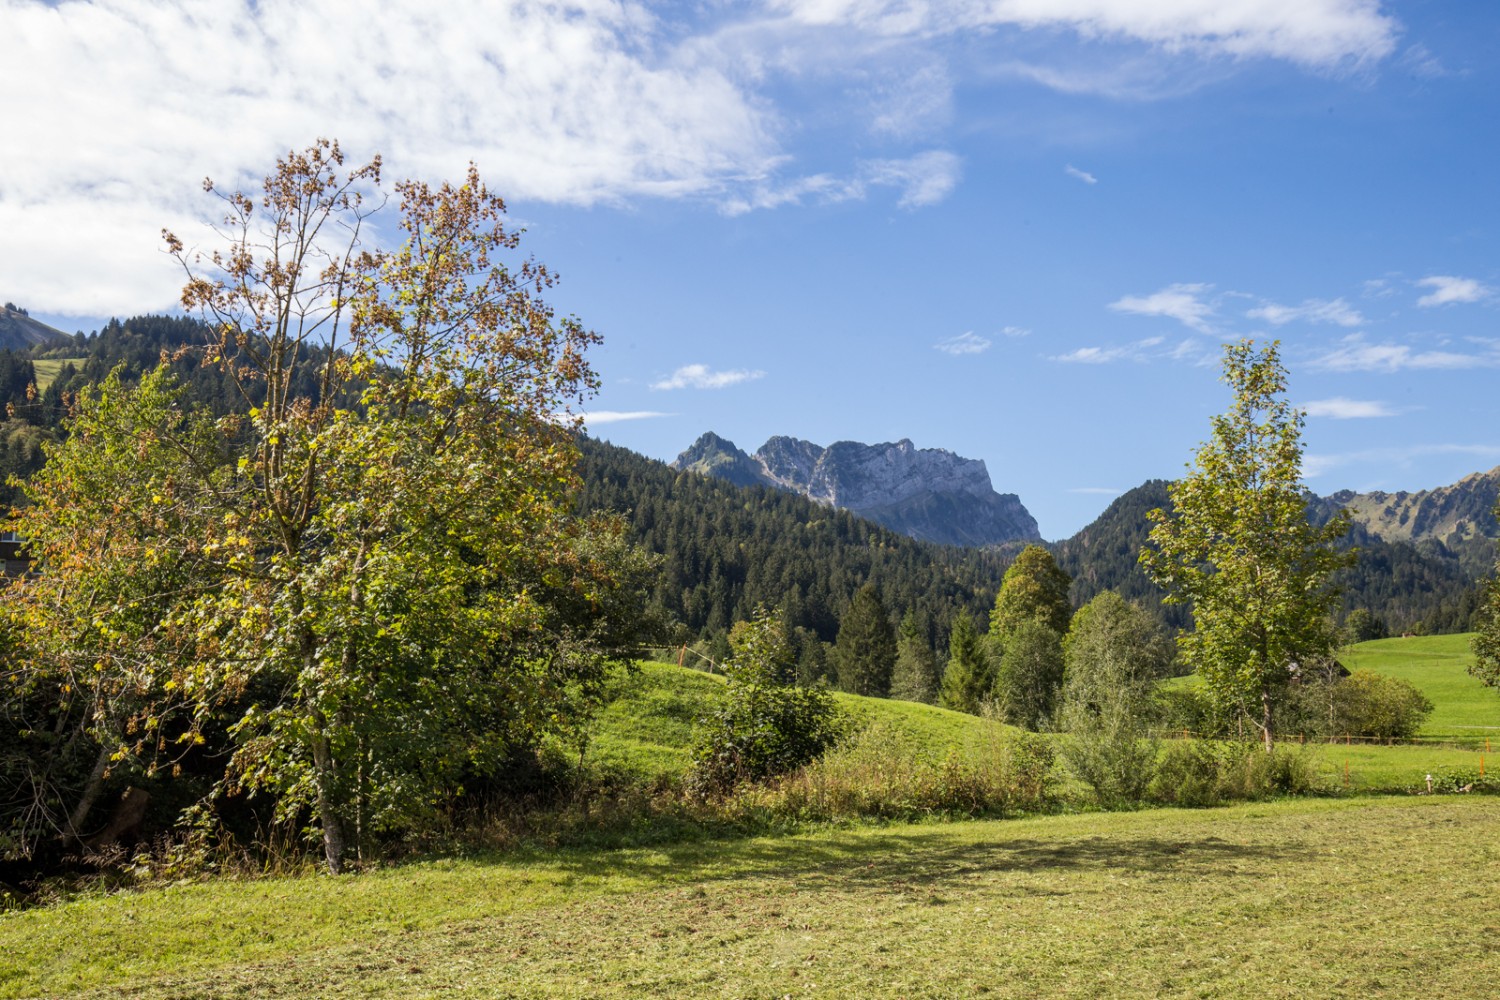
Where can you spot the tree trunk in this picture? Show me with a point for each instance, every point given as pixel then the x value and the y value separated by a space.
pixel 328 816
pixel 91 790
pixel 1265 723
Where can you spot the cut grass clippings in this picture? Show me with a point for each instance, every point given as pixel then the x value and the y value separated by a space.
pixel 1328 898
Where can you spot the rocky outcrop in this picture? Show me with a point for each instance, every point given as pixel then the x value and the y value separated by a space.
pixel 927 493
pixel 1452 515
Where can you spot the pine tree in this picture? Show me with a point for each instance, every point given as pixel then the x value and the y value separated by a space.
pixel 916 674
pixel 967 681
pixel 865 652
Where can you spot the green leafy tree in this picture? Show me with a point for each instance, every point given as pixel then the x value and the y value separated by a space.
pixel 1114 654
pixel 1361 626
pixel 1029 674
pixel 865 652
pixel 383 551
pixel 1034 589
pixel 968 679
pixel 1029 619
pixel 915 677
pixel 1238 546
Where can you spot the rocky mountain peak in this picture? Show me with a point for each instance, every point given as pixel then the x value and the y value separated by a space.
pixel 928 493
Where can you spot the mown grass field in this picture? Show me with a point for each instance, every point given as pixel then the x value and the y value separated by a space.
pixel 1327 897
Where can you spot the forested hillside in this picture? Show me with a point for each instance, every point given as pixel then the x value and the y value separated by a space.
pixel 727 548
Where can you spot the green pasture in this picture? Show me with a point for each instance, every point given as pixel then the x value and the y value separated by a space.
pixel 1390 897
pixel 1438 666
pixel 646 728
pixel 47 369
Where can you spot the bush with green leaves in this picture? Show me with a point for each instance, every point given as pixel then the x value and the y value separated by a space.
pixel 765 726
pixel 1113 655
pixel 1208 773
pixel 1369 704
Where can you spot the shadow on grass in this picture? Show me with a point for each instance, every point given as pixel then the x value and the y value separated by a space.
pixel 906 859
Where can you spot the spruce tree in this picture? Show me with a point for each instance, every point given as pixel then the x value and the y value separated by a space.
pixel 967 681
pixel 916 675
pixel 865 652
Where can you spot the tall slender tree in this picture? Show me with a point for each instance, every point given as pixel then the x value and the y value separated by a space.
pixel 865 652
pixel 1238 545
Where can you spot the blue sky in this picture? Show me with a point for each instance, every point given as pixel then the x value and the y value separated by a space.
pixel 1016 229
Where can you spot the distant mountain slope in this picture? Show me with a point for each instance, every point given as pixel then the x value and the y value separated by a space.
pixel 1452 514
pixel 924 493
pixel 19 332
pixel 727 548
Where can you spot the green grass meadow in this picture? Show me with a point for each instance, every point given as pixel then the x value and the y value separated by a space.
pixel 1355 897
pixel 1346 895
pixel 1438 665
pixel 47 369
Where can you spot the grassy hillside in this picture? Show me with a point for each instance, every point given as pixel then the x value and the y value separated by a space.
pixel 47 369
pixel 1332 898
pixel 646 729
pixel 1438 666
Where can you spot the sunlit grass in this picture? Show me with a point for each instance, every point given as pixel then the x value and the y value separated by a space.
pixel 1329 898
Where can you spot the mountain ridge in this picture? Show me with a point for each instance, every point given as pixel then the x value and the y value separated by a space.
pixel 930 494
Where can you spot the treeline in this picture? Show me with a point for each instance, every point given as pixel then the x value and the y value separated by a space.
pixel 727 550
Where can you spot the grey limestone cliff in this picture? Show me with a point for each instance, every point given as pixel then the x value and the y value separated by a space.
pixel 927 493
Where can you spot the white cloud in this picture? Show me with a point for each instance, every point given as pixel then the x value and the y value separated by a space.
pixel 1447 290
pixel 1337 312
pixel 1339 408
pixel 1355 354
pixel 1082 175
pixel 1315 465
pixel 1137 351
pixel 1108 491
pixel 964 343
pixel 924 179
pixel 1182 302
pixel 1015 331
pixel 125 105
pixel 702 377
pixel 596 417
pixel 1321 33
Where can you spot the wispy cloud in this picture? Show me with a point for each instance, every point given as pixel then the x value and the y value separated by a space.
pixel 964 343
pixel 922 180
pixel 1015 331
pixel 1448 290
pixel 1108 491
pixel 1322 33
pixel 1137 351
pixel 596 417
pixel 1182 302
pixel 1337 312
pixel 1082 175
pixel 1315 465
pixel 1355 354
pixel 1339 408
pixel 702 377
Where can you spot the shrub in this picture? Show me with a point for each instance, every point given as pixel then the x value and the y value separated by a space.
pixel 1207 773
pixel 1369 704
pixel 879 772
pixel 764 727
